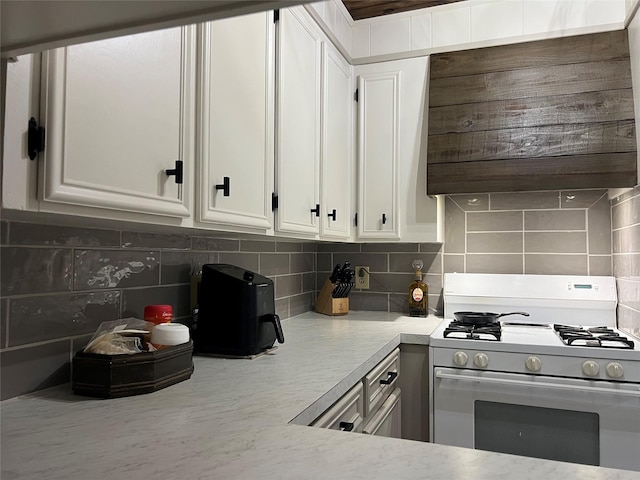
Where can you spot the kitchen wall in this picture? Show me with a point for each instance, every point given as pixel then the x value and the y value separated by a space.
pixel 626 258
pixel 57 284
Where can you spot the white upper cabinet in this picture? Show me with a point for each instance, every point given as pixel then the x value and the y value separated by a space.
pixel 393 99
pixel 298 124
pixel 337 145
pixel 236 120
pixel 378 145
pixel 118 114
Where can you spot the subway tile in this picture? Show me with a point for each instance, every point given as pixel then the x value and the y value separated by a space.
pixel 626 213
pixel 471 203
pixel 178 296
pixel 257 246
pixel 47 317
pixel 300 303
pixel 301 262
pixel 494 263
pixel 453 263
pixel 454 226
pixel 282 246
pixel 600 265
pixel 78 343
pixel 216 244
pixel 177 267
pixel 116 268
pixel 324 262
pixel 389 282
pixel 494 221
pixel 525 200
pixel 580 198
pixel 504 242
pixel 155 240
pixel 555 264
pixel 309 247
pixel 28 270
pixel 249 261
pixel 338 247
pixel 4 232
pixel 599 221
pixel 555 242
pixel 555 220
pixel 57 235
pixel 402 262
pixel 431 247
pixel 434 282
pixel 399 303
pixel 626 240
pixel 287 285
pixel 629 320
pixel 321 278
pixel 29 369
pixel 389 247
pixel 626 265
pixel 282 308
pixel 4 322
pixel 629 293
pixel 377 262
pixel 309 282
pixel 274 264
pixel 375 302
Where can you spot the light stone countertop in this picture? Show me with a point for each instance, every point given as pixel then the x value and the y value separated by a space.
pixel 231 420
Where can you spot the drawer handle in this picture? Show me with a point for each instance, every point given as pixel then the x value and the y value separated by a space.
pixel 391 376
pixel 346 426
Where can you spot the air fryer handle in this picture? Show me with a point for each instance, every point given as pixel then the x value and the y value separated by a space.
pixel 275 319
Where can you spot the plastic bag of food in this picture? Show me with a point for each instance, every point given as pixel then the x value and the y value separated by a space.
pixel 120 337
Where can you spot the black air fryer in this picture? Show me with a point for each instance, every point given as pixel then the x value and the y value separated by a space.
pixel 236 312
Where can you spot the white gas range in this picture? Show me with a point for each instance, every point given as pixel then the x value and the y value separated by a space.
pixel 561 383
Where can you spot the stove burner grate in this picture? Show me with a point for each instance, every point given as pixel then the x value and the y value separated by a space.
pixel 602 337
pixel 470 331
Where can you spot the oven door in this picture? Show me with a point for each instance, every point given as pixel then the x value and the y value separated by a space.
pixel 571 420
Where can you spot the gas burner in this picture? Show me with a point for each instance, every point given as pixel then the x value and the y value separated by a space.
pixel 470 331
pixel 603 337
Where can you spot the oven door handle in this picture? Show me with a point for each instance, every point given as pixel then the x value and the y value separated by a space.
pixel 526 383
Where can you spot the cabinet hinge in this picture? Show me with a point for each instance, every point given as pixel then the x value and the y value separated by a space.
pixel 274 201
pixel 276 15
pixel 355 220
pixel 356 95
pixel 35 138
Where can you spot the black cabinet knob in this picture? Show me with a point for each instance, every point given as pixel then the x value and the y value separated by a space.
pixel 316 210
pixel 332 215
pixel 178 171
pixel 224 186
pixel 384 219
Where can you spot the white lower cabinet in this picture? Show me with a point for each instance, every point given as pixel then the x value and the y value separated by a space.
pixel 372 406
pixel 346 414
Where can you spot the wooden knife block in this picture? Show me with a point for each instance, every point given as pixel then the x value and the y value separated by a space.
pixel 328 305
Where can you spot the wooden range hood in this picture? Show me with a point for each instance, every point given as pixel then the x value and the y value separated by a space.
pixel 543 115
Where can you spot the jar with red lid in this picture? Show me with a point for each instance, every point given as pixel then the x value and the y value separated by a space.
pixel 158 313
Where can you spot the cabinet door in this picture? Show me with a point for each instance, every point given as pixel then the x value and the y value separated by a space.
pixel 118 114
pixel 298 123
pixel 378 141
pixel 236 121
pixel 337 150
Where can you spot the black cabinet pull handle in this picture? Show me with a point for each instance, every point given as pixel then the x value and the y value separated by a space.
pixel 316 210
pixel 346 426
pixel 391 376
pixel 333 215
pixel 384 219
pixel 178 171
pixel 224 186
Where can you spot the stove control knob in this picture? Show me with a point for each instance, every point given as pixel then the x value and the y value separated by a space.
pixel 590 368
pixel 480 360
pixel 533 364
pixel 615 370
pixel 460 359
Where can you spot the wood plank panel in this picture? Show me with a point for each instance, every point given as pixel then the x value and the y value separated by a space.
pixel 531 82
pixel 549 173
pixel 532 142
pixel 603 106
pixel 560 51
pixel 360 9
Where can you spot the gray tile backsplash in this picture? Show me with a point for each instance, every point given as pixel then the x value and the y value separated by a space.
pixel 58 283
